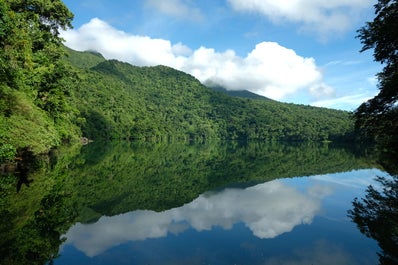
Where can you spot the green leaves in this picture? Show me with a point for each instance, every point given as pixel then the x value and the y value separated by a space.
pixel 36 105
pixel 378 117
pixel 48 15
pixel 7 152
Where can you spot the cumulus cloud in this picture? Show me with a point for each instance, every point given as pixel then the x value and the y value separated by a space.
pixel 115 44
pixel 269 69
pixel 268 210
pixel 176 8
pixel 321 16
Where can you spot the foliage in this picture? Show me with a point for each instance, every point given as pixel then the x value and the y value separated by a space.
pixel 239 93
pixel 84 60
pixel 378 117
pixel 7 152
pixel 27 125
pixel 36 104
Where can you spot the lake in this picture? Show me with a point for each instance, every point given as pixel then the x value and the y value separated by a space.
pixel 196 203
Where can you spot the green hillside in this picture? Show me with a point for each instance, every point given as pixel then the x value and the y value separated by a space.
pixel 118 100
pixel 84 60
pixel 50 94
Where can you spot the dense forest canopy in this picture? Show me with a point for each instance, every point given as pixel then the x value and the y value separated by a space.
pixel 50 94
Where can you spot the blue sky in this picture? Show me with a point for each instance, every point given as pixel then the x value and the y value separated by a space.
pixel 299 51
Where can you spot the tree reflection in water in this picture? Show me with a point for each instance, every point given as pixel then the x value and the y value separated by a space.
pixel 376 215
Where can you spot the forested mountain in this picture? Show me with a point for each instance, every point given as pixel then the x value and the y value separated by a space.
pixel 50 94
pixel 119 100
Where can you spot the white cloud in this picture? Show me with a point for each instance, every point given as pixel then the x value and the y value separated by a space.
pixel 358 179
pixel 349 102
pixel 341 62
pixel 269 69
pixel 321 16
pixel 114 44
pixel 181 49
pixel 176 8
pixel 267 209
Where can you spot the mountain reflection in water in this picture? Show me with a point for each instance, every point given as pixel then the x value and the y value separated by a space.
pixel 189 203
pixel 267 209
pixel 300 220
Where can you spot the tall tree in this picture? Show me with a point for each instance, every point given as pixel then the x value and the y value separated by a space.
pixel 34 81
pixel 378 117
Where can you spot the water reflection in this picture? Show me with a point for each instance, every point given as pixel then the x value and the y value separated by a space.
pixel 376 214
pixel 320 252
pixel 268 210
pixel 164 176
pixel 377 217
pixel 84 183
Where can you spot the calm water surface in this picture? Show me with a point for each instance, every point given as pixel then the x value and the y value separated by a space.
pixel 301 220
pixel 224 203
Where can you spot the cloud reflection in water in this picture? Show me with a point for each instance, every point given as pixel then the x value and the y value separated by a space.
pixel 267 209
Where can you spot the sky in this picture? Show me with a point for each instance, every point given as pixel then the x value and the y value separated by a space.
pixel 296 51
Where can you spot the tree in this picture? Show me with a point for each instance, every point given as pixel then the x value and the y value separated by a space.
pixel 29 35
pixel 35 82
pixel 378 117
